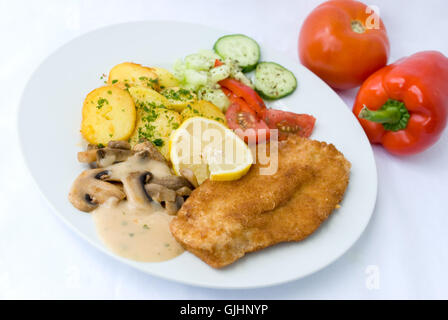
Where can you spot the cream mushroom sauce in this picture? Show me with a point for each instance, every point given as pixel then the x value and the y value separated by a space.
pixel 134 233
pixel 132 203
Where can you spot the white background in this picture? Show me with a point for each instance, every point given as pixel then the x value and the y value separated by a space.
pixel 402 254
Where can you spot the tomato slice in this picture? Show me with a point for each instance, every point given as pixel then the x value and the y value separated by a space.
pixel 245 122
pixel 247 93
pixel 289 123
pixel 229 93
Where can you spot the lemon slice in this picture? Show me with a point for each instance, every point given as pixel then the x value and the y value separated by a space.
pixel 209 150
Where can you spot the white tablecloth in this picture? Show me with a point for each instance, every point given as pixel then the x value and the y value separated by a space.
pixel 402 254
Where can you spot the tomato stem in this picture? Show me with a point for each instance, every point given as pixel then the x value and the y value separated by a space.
pixel 357 26
pixel 393 115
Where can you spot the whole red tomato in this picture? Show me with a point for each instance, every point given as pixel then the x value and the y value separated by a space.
pixel 343 42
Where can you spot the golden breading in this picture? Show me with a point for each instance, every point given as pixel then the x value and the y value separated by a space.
pixel 222 221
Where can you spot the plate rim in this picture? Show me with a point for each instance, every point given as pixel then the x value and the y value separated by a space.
pixel 138 265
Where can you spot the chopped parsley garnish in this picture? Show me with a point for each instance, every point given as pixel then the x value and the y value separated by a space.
pixel 150 112
pixel 151 115
pixel 145 226
pixel 101 102
pixel 100 145
pixel 149 82
pixel 146 132
pixel 114 81
pixel 158 142
pixel 180 94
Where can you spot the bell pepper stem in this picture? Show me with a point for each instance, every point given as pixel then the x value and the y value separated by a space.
pixel 393 115
pixel 389 115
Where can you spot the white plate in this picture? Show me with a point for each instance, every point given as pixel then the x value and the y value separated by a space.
pixel 49 122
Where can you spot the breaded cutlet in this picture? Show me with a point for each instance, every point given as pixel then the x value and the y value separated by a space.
pixel 222 221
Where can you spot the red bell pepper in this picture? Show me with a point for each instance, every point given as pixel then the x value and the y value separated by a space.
pixel 239 89
pixel 218 63
pixel 404 106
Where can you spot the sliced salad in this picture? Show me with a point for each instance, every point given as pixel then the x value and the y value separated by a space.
pixel 220 76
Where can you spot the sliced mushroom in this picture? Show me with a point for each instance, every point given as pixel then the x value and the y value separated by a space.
pixel 173 206
pixel 119 144
pixel 189 175
pixel 107 156
pixel 172 182
pixel 141 188
pixel 91 189
pixel 88 156
pixel 134 187
pixel 167 198
pixel 154 153
pixel 183 192
pixel 92 146
pixel 160 193
pixel 116 151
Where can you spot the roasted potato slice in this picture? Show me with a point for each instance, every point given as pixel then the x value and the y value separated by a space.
pixel 205 109
pixel 128 74
pixel 148 97
pixel 108 114
pixel 178 98
pixel 156 125
pixel 166 78
pixel 155 121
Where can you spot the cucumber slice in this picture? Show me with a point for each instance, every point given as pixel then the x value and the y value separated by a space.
pixel 272 81
pixel 198 62
pixel 240 48
pixel 215 96
pixel 179 70
pixel 195 79
pixel 241 77
pixel 219 73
